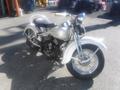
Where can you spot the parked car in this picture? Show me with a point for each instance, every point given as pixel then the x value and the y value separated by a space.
pixel 64 4
pixel 87 6
pixel 115 8
pixel 53 3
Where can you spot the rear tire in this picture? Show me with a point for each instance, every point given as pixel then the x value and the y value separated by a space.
pixel 97 71
pixel 31 46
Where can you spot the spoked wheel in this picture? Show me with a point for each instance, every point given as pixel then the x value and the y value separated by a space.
pixel 31 46
pixel 90 65
pixel 31 40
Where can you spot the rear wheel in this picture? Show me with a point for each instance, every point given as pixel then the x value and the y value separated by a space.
pixel 92 64
pixel 30 45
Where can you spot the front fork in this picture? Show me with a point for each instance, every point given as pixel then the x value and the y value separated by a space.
pixel 80 50
pixel 79 46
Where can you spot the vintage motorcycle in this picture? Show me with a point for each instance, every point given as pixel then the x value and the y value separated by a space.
pixel 67 44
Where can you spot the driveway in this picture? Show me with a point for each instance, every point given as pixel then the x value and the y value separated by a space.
pixel 22 70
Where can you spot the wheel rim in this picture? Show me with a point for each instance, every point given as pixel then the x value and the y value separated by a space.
pixel 29 33
pixel 88 67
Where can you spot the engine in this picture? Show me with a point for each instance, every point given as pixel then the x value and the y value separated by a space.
pixel 51 47
pixel 47 44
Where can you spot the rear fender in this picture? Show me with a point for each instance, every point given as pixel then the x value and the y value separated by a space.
pixel 32 27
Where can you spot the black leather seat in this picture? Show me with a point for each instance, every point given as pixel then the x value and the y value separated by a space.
pixel 43 23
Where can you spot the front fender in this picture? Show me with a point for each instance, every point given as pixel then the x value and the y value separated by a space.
pixel 85 40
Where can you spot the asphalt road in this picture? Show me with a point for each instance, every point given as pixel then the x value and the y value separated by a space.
pixel 22 70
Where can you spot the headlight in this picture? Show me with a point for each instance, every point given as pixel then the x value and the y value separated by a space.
pixel 80 17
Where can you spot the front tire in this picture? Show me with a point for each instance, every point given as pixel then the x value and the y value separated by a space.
pixel 76 70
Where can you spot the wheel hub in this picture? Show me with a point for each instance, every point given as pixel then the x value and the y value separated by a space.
pixel 84 60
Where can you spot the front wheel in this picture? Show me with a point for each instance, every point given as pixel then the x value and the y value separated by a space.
pixel 93 62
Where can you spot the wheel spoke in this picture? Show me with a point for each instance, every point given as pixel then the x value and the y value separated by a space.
pixel 91 56
pixel 89 65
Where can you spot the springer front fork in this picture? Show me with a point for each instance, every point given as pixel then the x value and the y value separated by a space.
pixel 80 52
pixel 78 45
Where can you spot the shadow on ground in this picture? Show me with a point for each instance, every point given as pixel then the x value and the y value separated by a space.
pixel 12 36
pixel 109 16
pixel 114 21
pixel 29 72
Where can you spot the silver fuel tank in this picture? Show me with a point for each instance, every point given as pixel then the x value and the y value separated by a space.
pixel 62 32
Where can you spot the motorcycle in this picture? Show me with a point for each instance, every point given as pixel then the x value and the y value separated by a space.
pixel 67 44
